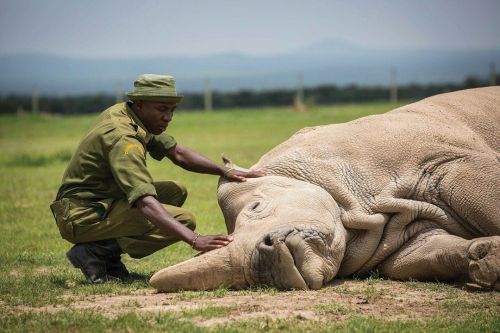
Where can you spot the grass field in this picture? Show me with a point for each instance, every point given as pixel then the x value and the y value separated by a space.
pixel 40 291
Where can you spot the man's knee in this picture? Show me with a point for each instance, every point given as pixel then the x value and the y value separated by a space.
pixel 171 193
pixel 188 219
pixel 182 215
pixel 183 193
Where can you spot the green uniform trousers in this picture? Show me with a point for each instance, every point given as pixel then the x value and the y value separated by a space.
pixel 81 221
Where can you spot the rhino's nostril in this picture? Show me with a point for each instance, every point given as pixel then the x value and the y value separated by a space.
pixel 268 241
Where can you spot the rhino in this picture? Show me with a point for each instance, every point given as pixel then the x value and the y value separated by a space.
pixel 413 193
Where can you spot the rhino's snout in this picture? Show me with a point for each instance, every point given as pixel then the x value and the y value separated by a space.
pixel 296 259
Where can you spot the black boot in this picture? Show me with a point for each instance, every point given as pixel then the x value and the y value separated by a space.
pixel 110 251
pixel 116 268
pixel 93 267
pixel 99 261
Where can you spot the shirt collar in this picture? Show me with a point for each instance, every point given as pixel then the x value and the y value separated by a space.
pixel 141 129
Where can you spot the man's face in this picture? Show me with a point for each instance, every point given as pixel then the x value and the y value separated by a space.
pixel 155 115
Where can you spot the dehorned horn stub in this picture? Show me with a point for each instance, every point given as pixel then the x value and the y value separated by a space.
pixel 208 271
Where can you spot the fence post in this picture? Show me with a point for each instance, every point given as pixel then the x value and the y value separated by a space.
pixel 208 95
pixel 493 74
pixel 299 95
pixel 393 86
pixel 34 101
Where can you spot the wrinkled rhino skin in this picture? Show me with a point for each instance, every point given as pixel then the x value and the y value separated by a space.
pixel 413 193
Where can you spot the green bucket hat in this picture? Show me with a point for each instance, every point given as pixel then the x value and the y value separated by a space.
pixel 155 88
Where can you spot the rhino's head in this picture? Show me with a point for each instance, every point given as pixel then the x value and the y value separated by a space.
pixel 287 233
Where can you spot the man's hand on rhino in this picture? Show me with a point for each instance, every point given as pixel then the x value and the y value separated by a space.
pixel 240 175
pixel 209 242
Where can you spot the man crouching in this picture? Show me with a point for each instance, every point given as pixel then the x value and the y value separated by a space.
pixel 108 203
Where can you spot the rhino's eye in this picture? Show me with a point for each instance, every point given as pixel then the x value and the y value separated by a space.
pixel 257 207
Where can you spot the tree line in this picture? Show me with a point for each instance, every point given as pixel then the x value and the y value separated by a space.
pixel 319 95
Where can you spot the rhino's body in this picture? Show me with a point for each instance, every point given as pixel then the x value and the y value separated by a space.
pixel 416 194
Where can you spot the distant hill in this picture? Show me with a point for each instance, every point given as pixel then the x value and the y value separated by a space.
pixel 329 62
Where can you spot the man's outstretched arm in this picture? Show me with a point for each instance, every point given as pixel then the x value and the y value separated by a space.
pixel 193 161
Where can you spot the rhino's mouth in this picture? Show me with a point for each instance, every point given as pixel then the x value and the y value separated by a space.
pixel 296 259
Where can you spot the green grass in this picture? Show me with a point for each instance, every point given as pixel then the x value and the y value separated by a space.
pixel 35 273
pixel 206 312
pixel 89 321
pixel 481 323
pixel 331 308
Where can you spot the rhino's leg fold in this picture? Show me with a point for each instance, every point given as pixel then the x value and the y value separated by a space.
pixel 367 230
pixel 438 255
pixel 408 218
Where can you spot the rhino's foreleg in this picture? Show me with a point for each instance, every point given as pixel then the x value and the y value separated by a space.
pixel 437 255
pixel 472 189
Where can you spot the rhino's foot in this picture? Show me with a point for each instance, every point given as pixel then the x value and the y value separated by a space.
pixel 484 262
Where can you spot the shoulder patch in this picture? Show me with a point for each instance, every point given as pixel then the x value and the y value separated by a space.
pixel 131 146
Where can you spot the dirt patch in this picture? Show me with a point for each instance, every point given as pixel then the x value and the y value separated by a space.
pixel 14 273
pixel 43 270
pixel 381 299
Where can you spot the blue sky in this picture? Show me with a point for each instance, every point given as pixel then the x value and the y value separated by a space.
pixel 100 28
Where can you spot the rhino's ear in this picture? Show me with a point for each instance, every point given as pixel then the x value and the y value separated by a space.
pixel 229 163
pixel 211 270
pixel 226 160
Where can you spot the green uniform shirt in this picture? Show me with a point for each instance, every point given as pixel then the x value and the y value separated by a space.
pixel 110 161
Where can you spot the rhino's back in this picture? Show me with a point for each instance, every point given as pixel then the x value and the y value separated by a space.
pixel 477 109
pixel 455 123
